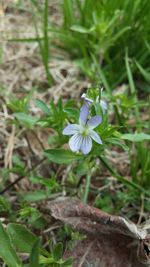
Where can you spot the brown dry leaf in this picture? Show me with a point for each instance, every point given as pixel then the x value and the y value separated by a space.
pixel 111 241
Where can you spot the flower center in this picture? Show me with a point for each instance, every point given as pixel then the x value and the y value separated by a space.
pixel 84 130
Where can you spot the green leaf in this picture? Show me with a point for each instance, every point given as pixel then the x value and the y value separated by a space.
pixel 7 252
pixel 136 137
pixel 34 256
pixel 61 156
pixel 68 13
pixel 145 74
pixel 21 237
pixel 25 118
pixel 129 74
pixel 40 104
pixel 116 141
pixel 4 204
pixel 120 33
pixel 72 112
pixel 81 29
pixel 35 196
pixel 58 251
pixel 67 263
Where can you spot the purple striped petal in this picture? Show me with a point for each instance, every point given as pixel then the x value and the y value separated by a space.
pixel 71 129
pixel 94 121
pixel 84 112
pixel 75 142
pixel 86 145
pixel 95 137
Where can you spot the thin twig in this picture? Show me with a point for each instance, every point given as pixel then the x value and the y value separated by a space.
pixel 21 177
pixel 82 261
pixel 29 145
pixel 38 139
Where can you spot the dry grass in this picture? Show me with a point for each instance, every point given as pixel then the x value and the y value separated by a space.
pixel 21 66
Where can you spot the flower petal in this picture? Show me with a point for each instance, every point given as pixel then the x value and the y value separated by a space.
pixel 103 105
pixel 88 100
pixel 84 112
pixel 75 142
pixel 86 145
pixel 94 121
pixel 95 137
pixel 71 129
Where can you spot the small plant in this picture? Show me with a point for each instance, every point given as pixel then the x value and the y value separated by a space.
pixel 93 114
pixel 18 238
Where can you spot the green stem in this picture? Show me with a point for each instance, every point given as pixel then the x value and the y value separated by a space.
pixel 43 42
pixel 132 89
pixel 87 187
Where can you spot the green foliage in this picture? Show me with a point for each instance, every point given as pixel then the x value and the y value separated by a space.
pixel 19 105
pixel 27 211
pixel 113 202
pixel 136 137
pixel 4 204
pixel 31 215
pixel 56 117
pixel 7 252
pixel 34 256
pixel 35 196
pixel 50 183
pixel 21 237
pixel 54 258
pixel 102 31
pixel 58 251
pixel 27 120
pixel 40 104
pixel 61 156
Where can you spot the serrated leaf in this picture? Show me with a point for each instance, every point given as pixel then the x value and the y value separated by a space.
pixel 136 137
pixel 21 237
pixel 61 156
pixel 7 252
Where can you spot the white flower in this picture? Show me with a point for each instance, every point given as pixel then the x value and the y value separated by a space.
pixel 83 133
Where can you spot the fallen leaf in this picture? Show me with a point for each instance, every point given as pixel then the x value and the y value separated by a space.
pixel 111 241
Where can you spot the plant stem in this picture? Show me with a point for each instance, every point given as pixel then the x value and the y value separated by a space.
pixel 87 187
pixel 132 89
